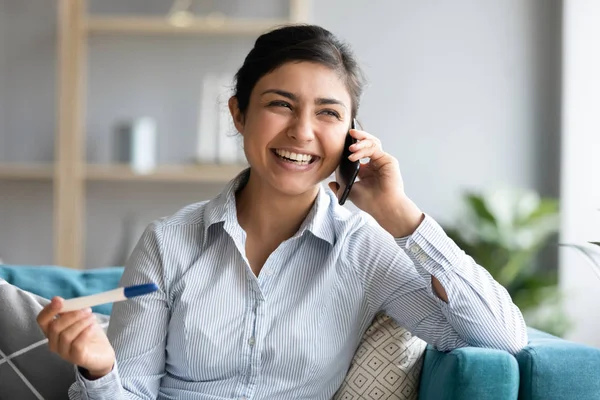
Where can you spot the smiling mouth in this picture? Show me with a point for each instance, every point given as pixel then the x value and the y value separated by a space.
pixel 295 158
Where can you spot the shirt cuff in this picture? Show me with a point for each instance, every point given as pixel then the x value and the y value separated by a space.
pixel 111 378
pixel 432 252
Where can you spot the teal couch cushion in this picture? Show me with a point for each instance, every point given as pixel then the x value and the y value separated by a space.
pixel 50 281
pixel 469 373
pixel 554 369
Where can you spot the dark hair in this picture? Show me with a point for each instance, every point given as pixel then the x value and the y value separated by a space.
pixel 296 43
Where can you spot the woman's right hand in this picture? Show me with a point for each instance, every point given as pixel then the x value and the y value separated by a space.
pixel 77 338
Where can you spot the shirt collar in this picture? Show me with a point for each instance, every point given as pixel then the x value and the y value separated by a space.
pixel 222 207
pixel 318 222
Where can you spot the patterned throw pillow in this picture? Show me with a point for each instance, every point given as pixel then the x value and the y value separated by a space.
pixel 386 365
pixel 28 370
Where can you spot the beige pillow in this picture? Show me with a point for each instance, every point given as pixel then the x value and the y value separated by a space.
pixel 386 365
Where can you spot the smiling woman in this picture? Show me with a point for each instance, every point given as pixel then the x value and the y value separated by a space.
pixel 266 290
pixel 293 105
pixel 290 126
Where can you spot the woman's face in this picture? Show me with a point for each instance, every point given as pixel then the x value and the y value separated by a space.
pixel 295 126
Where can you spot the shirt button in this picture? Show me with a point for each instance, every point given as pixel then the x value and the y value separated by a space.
pixel 415 248
pixel 422 257
pixel 269 272
pixel 251 341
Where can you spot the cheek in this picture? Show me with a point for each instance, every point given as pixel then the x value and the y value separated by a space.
pixel 256 130
pixel 333 150
pixel 264 125
pixel 272 114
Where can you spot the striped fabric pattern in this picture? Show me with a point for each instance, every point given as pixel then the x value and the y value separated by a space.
pixel 214 330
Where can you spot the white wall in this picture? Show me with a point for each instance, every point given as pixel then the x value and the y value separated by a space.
pixel 27 124
pixel 465 93
pixel 29 73
pixel 2 86
pixel 580 179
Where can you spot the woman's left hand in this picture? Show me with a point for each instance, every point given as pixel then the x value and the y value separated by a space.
pixel 380 189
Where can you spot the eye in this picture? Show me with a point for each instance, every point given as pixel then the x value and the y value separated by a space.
pixel 331 113
pixel 280 103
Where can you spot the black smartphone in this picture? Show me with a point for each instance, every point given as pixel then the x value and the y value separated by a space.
pixel 347 171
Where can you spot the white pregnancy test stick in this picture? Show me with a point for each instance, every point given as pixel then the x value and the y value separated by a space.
pixel 111 296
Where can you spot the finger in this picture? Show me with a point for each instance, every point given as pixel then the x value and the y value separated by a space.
pixel 363 144
pixel 57 326
pixel 48 313
pixel 360 135
pixel 368 149
pixel 68 335
pixel 69 318
pixel 79 344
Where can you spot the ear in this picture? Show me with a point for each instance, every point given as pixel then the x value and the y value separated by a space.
pixel 236 114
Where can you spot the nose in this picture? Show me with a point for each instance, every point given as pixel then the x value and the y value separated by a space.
pixel 302 130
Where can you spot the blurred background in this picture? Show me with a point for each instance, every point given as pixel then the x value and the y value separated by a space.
pixel 112 115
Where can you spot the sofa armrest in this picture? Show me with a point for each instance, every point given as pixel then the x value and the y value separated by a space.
pixel 469 373
pixel 552 368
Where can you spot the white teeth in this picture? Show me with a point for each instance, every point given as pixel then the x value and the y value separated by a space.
pixel 301 159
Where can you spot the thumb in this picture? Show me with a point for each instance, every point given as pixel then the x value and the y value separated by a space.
pixel 57 303
pixel 334 186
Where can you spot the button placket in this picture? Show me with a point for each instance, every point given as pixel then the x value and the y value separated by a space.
pixel 251 348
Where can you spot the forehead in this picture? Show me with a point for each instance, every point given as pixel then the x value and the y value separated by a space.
pixel 307 80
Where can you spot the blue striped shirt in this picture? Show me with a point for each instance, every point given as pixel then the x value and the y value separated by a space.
pixel 214 330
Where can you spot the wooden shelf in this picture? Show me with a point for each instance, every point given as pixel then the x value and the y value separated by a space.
pixel 166 173
pixel 26 171
pixel 161 25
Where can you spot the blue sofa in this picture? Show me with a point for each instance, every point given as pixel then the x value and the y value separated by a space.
pixel 549 368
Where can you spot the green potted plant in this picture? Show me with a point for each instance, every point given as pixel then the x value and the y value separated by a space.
pixel 504 231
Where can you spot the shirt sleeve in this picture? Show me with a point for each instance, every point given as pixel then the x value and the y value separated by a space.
pixel 396 274
pixel 137 331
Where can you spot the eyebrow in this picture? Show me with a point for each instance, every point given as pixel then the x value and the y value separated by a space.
pixel 320 101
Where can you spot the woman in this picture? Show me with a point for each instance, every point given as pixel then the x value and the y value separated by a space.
pixel 266 290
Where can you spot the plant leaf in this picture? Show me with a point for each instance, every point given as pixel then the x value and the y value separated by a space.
pixel 478 205
pixel 531 291
pixel 588 254
pixel 517 263
pixel 547 207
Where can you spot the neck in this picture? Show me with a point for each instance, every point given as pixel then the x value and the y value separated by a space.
pixel 270 215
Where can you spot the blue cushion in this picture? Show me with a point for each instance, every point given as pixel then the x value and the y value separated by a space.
pixel 469 373
pixel 50 281
pixel 552 368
